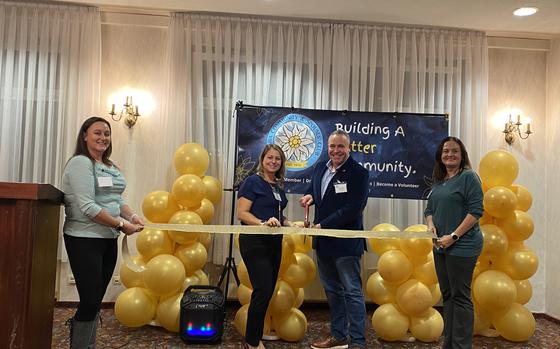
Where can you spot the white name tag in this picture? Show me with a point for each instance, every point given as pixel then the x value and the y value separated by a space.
pixel 340 188
pixel 105 181
pixel 277 195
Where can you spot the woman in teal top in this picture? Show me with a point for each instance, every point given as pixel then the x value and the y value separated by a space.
pixel 454 207
pixel 95 216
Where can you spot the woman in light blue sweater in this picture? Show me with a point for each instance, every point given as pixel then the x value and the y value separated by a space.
pixel 95 216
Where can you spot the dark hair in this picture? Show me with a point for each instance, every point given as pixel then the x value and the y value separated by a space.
pixel 279 175
pixel 81 144
pixel 439 172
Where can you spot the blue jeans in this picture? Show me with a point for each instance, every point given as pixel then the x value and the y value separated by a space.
pixel 342 282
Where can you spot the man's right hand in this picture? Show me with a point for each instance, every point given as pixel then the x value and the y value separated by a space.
pixel 306 200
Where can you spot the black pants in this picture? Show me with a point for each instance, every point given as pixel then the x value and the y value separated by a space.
pixel 263 263
pixel 455 278
pixel 93 262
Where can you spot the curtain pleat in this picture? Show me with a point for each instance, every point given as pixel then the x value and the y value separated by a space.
pixel 49 83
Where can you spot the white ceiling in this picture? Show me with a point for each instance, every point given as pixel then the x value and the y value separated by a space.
pixel 493 16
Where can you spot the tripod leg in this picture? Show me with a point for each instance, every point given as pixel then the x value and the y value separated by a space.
pixel 234 271
pixel 225 270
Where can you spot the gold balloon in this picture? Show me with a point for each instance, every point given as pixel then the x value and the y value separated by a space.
pixel 494 291
pixel 500 202
pixel 184 217
pixel 191 280
pixel 134 307
pixel 389 323
pixel 244 294
pixel 482 320
pixel 519 262
pixel 243 274
pixel 495 240
pixel 517 325
pixel 205 239
pixel 416 249
pixel 498 168
pixel 302 243
pixel 288 257
pixel 295 275
pixel 483 263
pixel 205 211
pixel 300 296
pixel 151 242
pixel 436 293
pixel 427 328
pixel 130 278
pixel 379 291
pixel 308 265
pixel 193 256
pixel 191 158
pixel 188 190
pixel 291 326
pixel 168 311
pixel 159 206
pixel 164 274
pixel 524 291
pixel 394 267
pixel 213 189
pixel 413 297
pixel 517 226
pixel 282 300
pixel 240 320
pixel 236 240
pixel 524 197
pixel 426 273
pixel 381 246
pixel 203 277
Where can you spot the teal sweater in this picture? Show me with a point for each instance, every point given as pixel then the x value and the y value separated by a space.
pixel 86 193
pixel 449 202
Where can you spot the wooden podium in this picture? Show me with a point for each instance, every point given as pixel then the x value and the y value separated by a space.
pixel 29 220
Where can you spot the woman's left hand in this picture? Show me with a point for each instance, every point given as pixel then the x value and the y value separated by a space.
pixel 445 241
pixel 273 222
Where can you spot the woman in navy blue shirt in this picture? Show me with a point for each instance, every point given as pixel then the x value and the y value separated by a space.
pixel 261 202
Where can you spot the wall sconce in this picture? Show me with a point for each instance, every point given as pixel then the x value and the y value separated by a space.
pixel 512 130
pixel 128 111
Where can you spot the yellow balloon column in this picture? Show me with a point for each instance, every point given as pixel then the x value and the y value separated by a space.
pixel 501 285
pixel 297 270
pixel 173 260
pixel 405 286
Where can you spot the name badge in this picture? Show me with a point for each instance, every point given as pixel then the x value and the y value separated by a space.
pixel 277 195
pixel 105 181
pixel 340 188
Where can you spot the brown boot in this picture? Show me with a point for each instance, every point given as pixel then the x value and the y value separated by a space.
pixel 330 343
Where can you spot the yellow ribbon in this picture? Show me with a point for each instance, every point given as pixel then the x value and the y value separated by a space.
pixel 264 230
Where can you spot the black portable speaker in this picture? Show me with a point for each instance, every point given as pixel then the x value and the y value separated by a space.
pixel 202 314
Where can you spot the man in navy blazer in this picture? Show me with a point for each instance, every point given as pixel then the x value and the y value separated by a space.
pixel 339 191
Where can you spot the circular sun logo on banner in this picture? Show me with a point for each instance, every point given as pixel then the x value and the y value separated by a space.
pixel 300 138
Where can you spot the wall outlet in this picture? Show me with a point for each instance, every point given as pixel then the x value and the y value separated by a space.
pixel 71 280
pixel 116 280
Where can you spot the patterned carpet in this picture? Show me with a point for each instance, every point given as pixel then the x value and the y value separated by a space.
pixel 114 335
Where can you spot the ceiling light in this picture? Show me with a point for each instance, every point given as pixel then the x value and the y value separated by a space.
pixel 525 11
